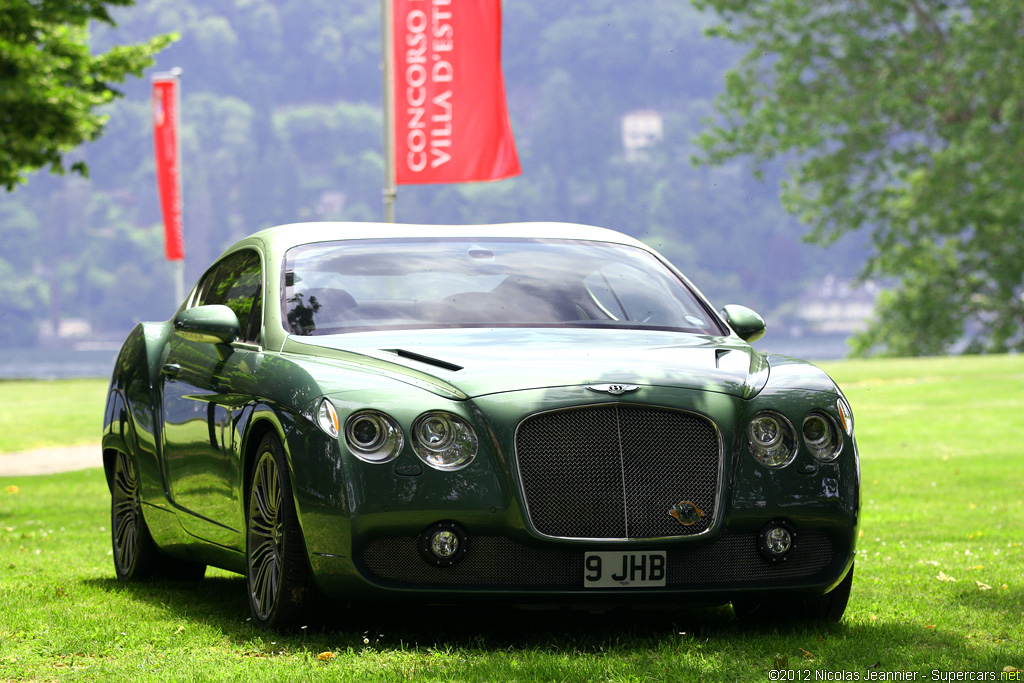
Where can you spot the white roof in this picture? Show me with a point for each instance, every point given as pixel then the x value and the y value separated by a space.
pixel 300 233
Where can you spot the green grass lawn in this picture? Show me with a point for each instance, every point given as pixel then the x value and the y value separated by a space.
pixel 939 583
pixel 58 413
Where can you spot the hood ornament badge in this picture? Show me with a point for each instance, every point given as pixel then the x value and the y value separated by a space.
pixel 686 513
pixel 613 389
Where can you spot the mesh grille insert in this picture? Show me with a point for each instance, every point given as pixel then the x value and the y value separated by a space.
pixel 615 471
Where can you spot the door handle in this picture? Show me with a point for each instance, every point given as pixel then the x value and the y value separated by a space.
pixel 171 370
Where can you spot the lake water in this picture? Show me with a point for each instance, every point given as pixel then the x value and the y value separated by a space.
pixel 56 363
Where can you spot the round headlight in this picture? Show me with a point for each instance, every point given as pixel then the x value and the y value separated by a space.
pixel 373 436
pixel 443 441
pixel 822 436
pixel 772 439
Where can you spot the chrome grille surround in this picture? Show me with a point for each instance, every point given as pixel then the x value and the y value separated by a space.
pixel 612 471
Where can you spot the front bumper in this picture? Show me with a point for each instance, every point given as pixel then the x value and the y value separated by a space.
pixel 363 526
pixel 500 569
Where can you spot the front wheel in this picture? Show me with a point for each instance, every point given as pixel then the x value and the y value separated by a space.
pixel 827 607
pixel 277 573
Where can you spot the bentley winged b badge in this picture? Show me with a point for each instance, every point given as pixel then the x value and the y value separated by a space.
pixel 686 513
pixel 613 389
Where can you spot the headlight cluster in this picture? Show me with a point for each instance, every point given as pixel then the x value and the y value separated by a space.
pixel 773 441
pixel 442 440
pixel 373 436
pixel 822 436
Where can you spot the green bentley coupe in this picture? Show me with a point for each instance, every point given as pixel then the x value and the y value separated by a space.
pixel 536 413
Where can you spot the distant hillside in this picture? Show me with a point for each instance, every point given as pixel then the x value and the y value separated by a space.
pixel 282 112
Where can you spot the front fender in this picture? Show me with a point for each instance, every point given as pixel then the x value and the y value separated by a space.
pixel 132 415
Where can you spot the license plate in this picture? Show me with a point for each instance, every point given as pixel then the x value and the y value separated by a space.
pixel 614 569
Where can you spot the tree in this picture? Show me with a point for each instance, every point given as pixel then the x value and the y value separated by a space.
pixel 903 118
pixel 50 83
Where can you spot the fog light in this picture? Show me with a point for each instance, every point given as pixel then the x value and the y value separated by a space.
pixel 776 540
pixel 443 544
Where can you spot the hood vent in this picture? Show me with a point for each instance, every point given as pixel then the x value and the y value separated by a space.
pixel 436 362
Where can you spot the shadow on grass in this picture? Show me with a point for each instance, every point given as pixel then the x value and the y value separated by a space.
pixel 702 637
pixel 217 600
pixel 220 602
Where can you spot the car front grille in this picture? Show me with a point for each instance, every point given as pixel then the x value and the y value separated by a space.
pixel 499 562
pixel 615 471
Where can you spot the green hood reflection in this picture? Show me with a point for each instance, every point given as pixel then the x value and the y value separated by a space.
pixel 495 360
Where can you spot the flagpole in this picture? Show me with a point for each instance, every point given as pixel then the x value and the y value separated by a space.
pixel 390 191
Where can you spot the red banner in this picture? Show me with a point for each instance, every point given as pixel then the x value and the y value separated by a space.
pixel 168 178
pixel 451 121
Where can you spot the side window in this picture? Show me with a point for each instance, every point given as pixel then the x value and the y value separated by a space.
pixel 236 283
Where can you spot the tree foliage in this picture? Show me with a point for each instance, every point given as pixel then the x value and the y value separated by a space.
pixel 905 119
pixel 50 83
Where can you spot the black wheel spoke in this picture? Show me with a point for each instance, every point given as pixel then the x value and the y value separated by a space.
pixel 261 528
pixel 267 513
pixel 265 576
pixel 124 537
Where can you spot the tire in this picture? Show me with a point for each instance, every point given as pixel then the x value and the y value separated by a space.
pixel 278 578
pixel 827 607
pixel 136 556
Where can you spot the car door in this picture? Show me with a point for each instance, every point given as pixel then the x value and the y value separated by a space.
pixel 207 388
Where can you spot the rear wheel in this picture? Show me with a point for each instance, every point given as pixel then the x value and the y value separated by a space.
pixel 136 555
pixel 828 607
pixel 277 573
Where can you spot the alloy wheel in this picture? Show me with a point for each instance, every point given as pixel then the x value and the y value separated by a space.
pixel 126 515
pixel 266 534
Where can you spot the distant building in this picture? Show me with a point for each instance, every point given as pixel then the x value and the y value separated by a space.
pixel 837 306
pixel 331 203
pixel 641 130
pixel 67 329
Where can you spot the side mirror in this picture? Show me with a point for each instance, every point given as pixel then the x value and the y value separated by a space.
pixel 744 322
pixel 215 324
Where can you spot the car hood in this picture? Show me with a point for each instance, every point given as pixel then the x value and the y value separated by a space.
pixel 476 362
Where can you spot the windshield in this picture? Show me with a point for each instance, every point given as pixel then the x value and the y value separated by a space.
pixel 359 285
